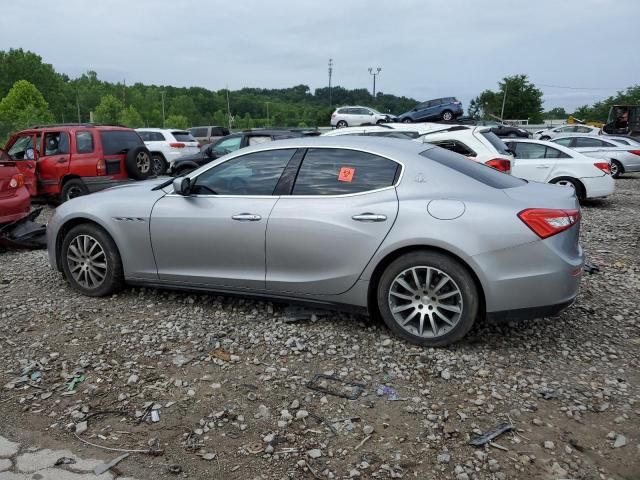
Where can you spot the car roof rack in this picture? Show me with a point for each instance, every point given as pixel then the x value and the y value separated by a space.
pixel 53 125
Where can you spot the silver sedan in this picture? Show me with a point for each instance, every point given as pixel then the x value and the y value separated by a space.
pixel 420 235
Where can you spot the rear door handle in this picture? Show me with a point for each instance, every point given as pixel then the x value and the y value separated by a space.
pixel 247 217
pixel 369 217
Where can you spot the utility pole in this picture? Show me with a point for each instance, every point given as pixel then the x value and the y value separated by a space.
pixel 504 99
pixel 228 107
pixel 330 73
pixel 268 116
pixel 124 92
pixel 162 96
pixel 374 74
pixel 78 105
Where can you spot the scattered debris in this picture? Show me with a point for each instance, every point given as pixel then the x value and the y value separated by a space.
pixel 590 268
pixel 103 467
pixel 388 392
pixel 75 381
pixel 64 461
pixel 322 383
pixel 221 354
pixel 489 435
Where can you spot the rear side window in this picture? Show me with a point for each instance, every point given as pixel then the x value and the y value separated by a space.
pixel 216 132
pixel 621 141
pixel 333 171
pixel 84 142
pixel 496 142
pixel 479 172
pixel 555 153
pixel 199 132
pixel 183 136
pixel 115 142
pixel 590 142
pixel 565 142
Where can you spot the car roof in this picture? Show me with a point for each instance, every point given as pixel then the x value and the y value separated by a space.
pixel 583 135
pixel 547 143
pixel 144 129
pixel 71 126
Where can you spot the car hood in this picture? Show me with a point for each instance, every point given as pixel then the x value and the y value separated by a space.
pixel 194 157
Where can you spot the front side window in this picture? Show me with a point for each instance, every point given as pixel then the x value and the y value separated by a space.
pixel 583 129
pixel 227 145
pixel 565 142
pixel 333 171
pixel 252 174
pixel 567 129
pixel 84 142
pixel 56 143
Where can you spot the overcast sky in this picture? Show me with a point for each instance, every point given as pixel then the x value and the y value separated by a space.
pixel 426 48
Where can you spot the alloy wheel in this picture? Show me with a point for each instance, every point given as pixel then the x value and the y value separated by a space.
pixel 425 301
pixel 614 169
pixel 143 162
pixel 87 261
pixel 74 192
pixel 567 183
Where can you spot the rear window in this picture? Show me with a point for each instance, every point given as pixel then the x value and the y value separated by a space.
pixel 496 142
pixel 183 136
pixel 115 142
pixel 479 172
pixel 199 131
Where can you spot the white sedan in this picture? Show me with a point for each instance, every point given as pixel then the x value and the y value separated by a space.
pixel 565 130
pixel 549 162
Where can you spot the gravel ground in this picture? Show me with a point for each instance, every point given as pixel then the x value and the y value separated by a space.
pixel 227 378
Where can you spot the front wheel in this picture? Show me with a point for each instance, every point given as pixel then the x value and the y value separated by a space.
pixel 545 138
pixel 428 298
pixel 616 169
pixel 91 261
pixel 406 120
pixel 73 188
pixel 447 115
pixel 158 165
pixel 341 124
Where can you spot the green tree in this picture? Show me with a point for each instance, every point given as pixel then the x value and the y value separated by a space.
pixel 129 117
pixel 555 113
pixel 109 110
pixel 177 121
pixel 522 101
pixel 23 106
pixel 184 106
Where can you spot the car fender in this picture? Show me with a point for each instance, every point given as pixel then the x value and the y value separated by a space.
pixel 179 165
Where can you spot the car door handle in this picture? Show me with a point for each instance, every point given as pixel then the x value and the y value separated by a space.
pixel 62 160
pixel 542 166
pixel 246 217
pixel 369 217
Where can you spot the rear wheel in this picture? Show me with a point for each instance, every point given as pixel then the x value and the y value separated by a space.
pixel 616 169
pixel 406 120
pixel 158 165
pixel 447 115
pixel 73 188
pixel 573 184
pixel 427 298
pixel 341 124
pixel 545 138
pixel 91 261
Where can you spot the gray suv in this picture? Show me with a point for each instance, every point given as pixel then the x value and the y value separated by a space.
pixel 208 134
pixel 447 108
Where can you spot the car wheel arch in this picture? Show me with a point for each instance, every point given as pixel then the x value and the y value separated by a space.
pixel 582 193
pixel 389 257
pixel 66 228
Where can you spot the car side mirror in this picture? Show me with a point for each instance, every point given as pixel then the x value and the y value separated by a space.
pixel 182 185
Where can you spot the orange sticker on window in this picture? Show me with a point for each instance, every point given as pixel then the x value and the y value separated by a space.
pixel 346 174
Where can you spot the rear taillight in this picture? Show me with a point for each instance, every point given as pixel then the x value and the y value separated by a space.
pixel 604 166
pixel 456 103
pixel 546 222
pixel 16 181
pixel 101 167
pixel 333 115
pixel 500 164
pixel 177 145
pixel 635 152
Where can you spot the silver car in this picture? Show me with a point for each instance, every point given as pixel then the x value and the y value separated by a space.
pixel 421 235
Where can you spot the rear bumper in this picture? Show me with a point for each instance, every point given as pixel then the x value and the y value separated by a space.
pixel 596 187
pixel 15 207
pixel 529 313
pixel 95 184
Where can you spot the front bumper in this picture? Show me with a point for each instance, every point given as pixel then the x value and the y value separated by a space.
pixel 95 184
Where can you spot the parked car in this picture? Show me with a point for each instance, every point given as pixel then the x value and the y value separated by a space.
pixel 476 143
pixel 623 139
pixel 15 201
pixel 166 145
pixel 69 160
pixel 225 145
pixel 623 158
pixel 375 131
pixel 447 108
pixel 504 131
pixel 208 134
pixel 564 130
pixel 421 235
pixel 354 116
pixel 549 162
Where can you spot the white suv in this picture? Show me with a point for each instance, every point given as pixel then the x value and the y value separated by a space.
pixel 166 145
pixel 354 116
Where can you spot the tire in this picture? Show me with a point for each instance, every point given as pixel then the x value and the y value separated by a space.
pixel 158 165
pixel 545 138
pixel 73 188
pixel 572 183
pixel 406 120
pixel 138 163
pixel 87 253
pixel 447 115
pixel 341 124
pixel 443 268
pixel 616 169
pixel 380 122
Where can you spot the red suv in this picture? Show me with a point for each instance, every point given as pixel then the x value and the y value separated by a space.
pixel 69 160
pixel 15 203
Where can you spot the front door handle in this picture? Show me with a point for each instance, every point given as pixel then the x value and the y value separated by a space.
pixel 247 217
pixel 542 166
pixel 369 217
pixel 62 160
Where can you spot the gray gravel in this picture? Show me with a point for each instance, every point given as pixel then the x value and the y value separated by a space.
pixel 217 385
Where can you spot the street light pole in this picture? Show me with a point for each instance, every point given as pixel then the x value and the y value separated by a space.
pixel 374 74
pixel 162 96
pixel 504 99
pixel 330 73
pixel 268 117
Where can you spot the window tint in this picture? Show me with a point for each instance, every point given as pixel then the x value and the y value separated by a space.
pixel 227 145
pixel 257 140
pixel 217 132
pixel 56 143
pixel 590 142
pixel 183 136
pixel 555 153
pixel 583 130
pixel 455 146
pixel 526 151
pixel 362 111
pixel 199 132
pixel 115 142
pixel 621 141
pixel 496 142
pixel 479 172
pixel 252 174
pixel 84 142
pixel 332 171
pixel 565 142
pixel 567 129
